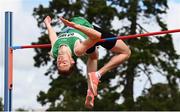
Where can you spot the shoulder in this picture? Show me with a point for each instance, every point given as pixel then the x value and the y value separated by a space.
pixel 77 48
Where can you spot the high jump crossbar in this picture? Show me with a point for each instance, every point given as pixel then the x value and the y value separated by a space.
pixel 103 40
pixel 8 68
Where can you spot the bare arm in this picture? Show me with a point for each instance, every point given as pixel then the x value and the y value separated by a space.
pixel 94 37
pixel 52 34
pixel 91 33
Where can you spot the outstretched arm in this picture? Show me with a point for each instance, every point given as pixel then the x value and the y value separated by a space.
pixel 94 37
pixel 91 33
pixel 52 34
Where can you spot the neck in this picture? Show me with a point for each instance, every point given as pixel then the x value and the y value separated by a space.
pixel 64 50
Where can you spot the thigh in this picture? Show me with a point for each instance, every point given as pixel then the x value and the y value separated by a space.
pixel 120 47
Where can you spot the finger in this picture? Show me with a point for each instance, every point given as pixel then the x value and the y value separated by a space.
pixel 62 19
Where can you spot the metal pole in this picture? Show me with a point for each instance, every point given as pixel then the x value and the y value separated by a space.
pixel 6 64
pixel 10 75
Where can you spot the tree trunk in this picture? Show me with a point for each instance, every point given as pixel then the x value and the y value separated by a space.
pixel 128 91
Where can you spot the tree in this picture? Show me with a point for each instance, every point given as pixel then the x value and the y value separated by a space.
pixel 21 109
pixel 1 105
pixel 158 97
pixel 147 55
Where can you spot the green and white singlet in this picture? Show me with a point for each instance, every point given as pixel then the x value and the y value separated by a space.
pixel 69 36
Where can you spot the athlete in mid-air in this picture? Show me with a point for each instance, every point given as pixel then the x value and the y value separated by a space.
pixel 78 38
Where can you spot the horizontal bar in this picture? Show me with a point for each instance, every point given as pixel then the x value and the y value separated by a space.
pixel 32 46
pixel 140 35
pixel 103 40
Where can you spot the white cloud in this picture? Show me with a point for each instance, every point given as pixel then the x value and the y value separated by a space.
pixel 172 20
pixel 28 80
pixel 5 5
pixel 27 86
pixel 11 5
pixel 174 23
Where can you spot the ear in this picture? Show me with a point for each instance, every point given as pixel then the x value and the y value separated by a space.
pixel 72 61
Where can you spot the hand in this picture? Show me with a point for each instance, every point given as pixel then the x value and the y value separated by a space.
pixel 68 23
pixel 47 20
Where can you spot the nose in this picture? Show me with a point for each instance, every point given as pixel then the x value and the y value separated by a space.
pixel 63 62
pixel 63 65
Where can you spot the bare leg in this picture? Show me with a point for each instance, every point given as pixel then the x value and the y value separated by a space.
pixel 91 67
pixel 92 63
pixel 123 54
pixel 52 34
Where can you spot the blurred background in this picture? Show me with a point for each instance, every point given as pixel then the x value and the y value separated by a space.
pixel 149 80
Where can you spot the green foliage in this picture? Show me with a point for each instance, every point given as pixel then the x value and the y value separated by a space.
pixel 1 105
pixel 21 109
pixel 147 56
pixel 158 97
pixel 66 93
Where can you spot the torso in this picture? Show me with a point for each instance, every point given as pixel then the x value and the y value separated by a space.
pixel 71 37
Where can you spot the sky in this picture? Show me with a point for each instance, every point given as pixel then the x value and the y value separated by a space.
pixel 28 80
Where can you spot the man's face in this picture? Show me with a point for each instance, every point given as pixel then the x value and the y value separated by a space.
pixel 63 62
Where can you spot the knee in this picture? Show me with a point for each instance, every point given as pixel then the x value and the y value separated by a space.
pixel 94 55
pixel 128 54
pixel 79 53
